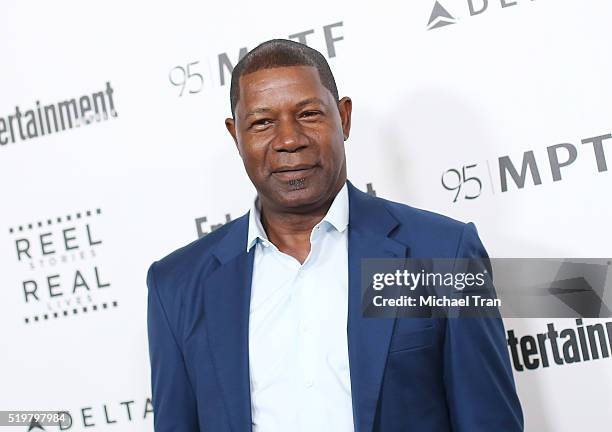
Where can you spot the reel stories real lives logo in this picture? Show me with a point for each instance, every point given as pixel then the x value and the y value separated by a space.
pixel 60 266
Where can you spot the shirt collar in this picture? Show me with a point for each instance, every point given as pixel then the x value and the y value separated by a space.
pixel 337 216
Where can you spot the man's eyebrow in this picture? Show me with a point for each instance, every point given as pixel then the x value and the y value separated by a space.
pixel 309 101
pixel 300 104
pixel 257 111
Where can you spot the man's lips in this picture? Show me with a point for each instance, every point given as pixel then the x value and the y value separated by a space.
pixel 288 168
pixel 293 172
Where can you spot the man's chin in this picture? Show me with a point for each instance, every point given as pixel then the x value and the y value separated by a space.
pixel 299 196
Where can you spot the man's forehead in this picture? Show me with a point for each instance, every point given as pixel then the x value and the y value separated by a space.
pixel 288 81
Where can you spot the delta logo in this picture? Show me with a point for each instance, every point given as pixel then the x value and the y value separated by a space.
pixel 441 17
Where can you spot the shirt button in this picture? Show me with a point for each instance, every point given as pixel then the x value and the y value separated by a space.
pixel 309 382
pixel 303 327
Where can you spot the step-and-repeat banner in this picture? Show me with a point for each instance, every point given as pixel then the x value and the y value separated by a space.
pixel 113 153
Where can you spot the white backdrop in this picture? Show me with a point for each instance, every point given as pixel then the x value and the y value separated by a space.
pixel 500 79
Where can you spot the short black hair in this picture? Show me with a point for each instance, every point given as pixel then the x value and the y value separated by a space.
pixel 278 53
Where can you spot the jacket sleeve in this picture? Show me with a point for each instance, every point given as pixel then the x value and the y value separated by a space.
pixel 480 388
pixel 174 403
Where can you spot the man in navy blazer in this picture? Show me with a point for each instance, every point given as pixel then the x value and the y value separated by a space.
pixel 211 370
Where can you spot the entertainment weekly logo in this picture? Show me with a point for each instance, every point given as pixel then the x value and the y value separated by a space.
pixel 46 119
pixel 508 173
pixel 203 226
pixel 441 17
pixel 59 270
pixel 555 346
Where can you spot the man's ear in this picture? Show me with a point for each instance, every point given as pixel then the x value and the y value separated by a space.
pixel 345 107
pixel 230 125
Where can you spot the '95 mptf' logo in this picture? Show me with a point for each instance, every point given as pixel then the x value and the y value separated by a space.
pixel 468 181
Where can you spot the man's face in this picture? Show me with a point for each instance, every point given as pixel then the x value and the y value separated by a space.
pixel 290 133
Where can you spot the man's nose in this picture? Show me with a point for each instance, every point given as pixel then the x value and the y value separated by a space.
pixel 289 137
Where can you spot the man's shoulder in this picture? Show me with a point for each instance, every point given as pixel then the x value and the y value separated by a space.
pixel 424 230
pixel 421 218
pixel 408 216
pixel 195 256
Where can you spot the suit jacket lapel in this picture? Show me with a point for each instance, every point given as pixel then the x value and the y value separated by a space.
pixel 226 307
pixel 368 338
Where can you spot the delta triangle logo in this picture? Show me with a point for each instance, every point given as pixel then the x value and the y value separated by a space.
pixel 439 17
pixel 34 424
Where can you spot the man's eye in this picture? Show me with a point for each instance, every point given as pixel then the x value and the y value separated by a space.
pixel 261 122
pixel 310 113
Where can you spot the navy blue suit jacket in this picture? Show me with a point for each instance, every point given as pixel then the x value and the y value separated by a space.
pixel 407 374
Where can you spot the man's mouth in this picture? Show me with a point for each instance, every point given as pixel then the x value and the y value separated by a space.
pixel 292 173
pixel 291 168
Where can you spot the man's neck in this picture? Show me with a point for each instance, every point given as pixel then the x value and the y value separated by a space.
pixel 290 231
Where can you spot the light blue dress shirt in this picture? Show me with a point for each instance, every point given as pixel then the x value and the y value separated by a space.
pixel 298 351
